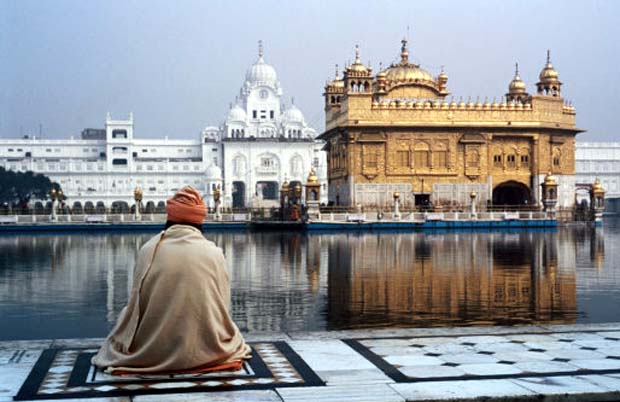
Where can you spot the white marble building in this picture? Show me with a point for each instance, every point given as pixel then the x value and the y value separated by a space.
pixel 599 160
pixel 260 145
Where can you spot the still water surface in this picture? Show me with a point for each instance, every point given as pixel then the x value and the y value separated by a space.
pixel 56 286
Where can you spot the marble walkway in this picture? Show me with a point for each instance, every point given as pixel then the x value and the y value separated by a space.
pixel 521 363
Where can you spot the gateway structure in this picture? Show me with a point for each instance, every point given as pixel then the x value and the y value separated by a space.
pixel 260 145
pixel 396 131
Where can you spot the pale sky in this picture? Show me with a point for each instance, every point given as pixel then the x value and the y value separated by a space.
pixel 177 65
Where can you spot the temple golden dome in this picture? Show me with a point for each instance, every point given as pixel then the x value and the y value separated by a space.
pixel 312 177
pixel 548 73
pixel 405 71
pixel 550 180
pixel 357 65
pixel 597 187
pixel 337 81
pixel 517 84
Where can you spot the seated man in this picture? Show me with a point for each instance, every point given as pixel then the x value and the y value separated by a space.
pixel 177 318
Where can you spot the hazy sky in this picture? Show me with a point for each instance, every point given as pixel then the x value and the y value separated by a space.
pixel 178 64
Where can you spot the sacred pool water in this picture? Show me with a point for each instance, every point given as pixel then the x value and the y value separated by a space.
pixel 75 285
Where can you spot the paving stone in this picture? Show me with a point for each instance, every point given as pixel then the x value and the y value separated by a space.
pixel 339 393
pixel 12 377
pixel 489 369
pixel 578 336
pixel 451 348
pixel 469 358
pixel 78 343
pixel 431 371
pixel 597 364
pixel 501 347
pixel 387 343
pixel 330 355
pixel 397 350
pixel 345 377
pixel 531 338
pixel 233 396
pixel 522 356
pixel 453 390
pixel 477 339
pixel 575 353
pixel 414 360
pixel 558 385
pixel 30 345
pixel 545 367
pixel 19 356
pixel 116 399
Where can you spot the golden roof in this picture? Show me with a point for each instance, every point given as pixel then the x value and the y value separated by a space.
pixel 312 178
pixel 357 65
pixel 516 85
pixel 548 73
pixel 405 71
pixel 336 82
pixel 550 180
pixel 597 187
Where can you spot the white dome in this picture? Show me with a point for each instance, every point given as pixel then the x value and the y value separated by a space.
pixel 293 115
pixel 214 172
pixel 261 73
pixel 237 114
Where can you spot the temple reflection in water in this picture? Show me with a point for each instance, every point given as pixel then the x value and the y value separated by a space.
pixel 78 284
pixel 456 279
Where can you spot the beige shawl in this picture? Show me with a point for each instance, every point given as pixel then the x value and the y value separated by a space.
pixel 177 315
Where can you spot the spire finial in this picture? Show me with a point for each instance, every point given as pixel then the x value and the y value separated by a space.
pixel 357 54
pixel 380 66
pixel 336 70
pixel 404 53
pixel 260 48
pixel 548 56
pixel 516 69
pixel 292 100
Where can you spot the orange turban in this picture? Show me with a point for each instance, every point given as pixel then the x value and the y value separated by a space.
pixel 186 206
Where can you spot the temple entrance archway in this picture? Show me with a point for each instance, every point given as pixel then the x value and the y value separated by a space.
pixel 238 194
pixel 512 193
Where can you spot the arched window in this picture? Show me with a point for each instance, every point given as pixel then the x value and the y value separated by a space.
pixel 440 156
pixel 422 155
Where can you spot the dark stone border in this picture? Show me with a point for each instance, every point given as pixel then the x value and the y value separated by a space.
pixel 396 375
pixel 78 377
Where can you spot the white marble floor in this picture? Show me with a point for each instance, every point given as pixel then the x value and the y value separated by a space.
pixel 574 362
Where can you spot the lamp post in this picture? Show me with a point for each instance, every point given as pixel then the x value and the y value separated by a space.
pixel 137 196
pixel 396 197
pixel 472 197
pixel 217 200
pixel 53 197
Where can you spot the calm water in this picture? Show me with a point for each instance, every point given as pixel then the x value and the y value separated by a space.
pixel 75 285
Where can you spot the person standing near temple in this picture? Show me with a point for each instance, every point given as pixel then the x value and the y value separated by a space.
pixel 177 318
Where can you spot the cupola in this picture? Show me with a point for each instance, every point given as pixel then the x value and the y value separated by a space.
pixel 549 83
pixel 517 90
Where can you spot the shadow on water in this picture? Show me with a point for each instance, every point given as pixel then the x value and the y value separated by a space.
pixel 75 285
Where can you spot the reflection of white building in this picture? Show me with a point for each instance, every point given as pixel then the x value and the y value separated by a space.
pixel 260 145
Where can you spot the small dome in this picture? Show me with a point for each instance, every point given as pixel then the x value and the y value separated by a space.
pixel 517 86
pixel 213 172
pixel 261 73
pixel 597 187
pixel 237 114
pixel 312 178
pixel 550 180
pixel 548 73
pixel 405 71
pixel 357 65
pixel 293 115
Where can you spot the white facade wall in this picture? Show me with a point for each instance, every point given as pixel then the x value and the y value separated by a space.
pixel 599 160
pixel 261 140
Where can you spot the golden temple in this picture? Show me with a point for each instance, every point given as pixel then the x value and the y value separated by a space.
pixel 396 131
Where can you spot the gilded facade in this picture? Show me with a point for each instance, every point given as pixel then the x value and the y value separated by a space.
pixel 396 130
